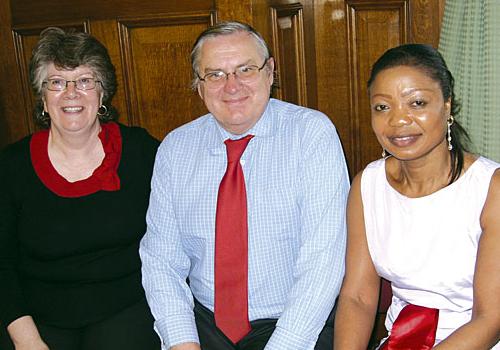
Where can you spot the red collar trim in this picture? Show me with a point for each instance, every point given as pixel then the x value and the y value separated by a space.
pixel 105 177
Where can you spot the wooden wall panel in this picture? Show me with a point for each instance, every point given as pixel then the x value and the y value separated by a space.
pixel 28 11
pixel 155 55
pixel 349 36
pixel 12 119
pixel 333 69
pixel 426 16
pixel 149 43
pixel 106 31
pixel 289 52
pixel 230 10
pixel 372 29
pixel 324 49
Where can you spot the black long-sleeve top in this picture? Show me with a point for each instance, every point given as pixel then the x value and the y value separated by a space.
pixel 72 261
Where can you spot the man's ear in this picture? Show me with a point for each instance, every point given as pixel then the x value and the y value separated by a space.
pixel 199 88
pixel 270 65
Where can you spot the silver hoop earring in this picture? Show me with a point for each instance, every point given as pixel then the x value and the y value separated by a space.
pixel 99 111
pixel 449 122
pixel 384 153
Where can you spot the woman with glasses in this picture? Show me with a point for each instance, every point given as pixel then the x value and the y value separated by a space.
pixel 73 200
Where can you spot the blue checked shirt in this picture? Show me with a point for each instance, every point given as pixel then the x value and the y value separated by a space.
pixel 297 185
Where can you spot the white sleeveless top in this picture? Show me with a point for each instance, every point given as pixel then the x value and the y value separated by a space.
pixel 426 247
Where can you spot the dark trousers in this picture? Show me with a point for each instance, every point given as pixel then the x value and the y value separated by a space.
pixel 130 329
pixel 211 338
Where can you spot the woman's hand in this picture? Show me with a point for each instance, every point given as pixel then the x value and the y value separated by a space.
pixel 39 345
pixel 24 334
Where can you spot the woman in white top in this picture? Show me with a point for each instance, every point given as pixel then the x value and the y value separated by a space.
pixel 426 217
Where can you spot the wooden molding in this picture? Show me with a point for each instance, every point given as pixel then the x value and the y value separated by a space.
pixel 287 23
pixel 372 28
pixel 169 38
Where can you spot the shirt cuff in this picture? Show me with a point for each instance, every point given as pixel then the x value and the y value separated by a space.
pixel 283 339
pixel 176 330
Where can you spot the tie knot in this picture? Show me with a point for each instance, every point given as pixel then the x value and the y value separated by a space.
pixel 235 148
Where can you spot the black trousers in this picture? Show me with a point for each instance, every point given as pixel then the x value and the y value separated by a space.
pixel 130 329
pixel 211 338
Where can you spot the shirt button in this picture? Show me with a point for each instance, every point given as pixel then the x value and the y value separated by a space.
pixel 242 162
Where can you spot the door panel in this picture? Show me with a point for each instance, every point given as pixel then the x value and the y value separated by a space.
pixel 158 70
pixel 371 31
pixel 350 35
pixel 323 51
pixel 13 119
pixel 289 52
pixel 29 11
pixel 149 43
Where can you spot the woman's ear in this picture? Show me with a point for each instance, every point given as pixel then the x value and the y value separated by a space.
pixel 447 106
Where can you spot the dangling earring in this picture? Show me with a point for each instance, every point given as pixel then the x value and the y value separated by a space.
pixel 384 153
pixel 103 107
pixel 44 114
pixel 450 123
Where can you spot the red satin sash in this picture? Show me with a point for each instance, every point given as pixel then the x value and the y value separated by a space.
pixel 414 329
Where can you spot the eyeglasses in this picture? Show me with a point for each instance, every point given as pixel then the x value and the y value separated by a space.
pixel 244 74
pixel 62 84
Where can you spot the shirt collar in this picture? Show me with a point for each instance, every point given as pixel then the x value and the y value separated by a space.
pixel 266 126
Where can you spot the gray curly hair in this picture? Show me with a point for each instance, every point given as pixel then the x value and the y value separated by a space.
pixel 68 50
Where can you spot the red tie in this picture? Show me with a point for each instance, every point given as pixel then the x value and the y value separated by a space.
pixel 231 247
pixel 414 329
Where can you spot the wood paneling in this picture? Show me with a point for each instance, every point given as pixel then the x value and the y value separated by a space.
pixel 333 69
pixel 372 28
pixel 29 11
pixel 350 35
pixel 155 55
pixel 13 123
pixel 289 52
pixel 323 48
pixel 229 10
pixel 106 31
pixel 149 43
pixel 426 17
